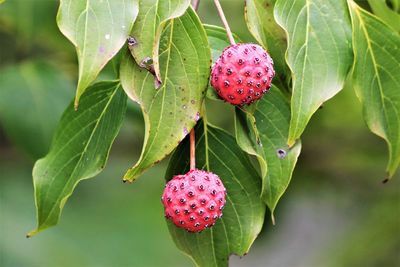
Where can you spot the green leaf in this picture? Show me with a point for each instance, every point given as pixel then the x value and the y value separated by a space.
pixel 153 17
pixel 263 133
pixel 171 110
pixel 79 149
pixel 319 54
pixel 218 40
pixel 384 12
pixel 259 15
pixel 243 216
pixel 98 29
pixel 376 78
pixel 33 96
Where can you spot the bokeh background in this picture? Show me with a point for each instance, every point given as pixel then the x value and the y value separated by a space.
pixel 336 211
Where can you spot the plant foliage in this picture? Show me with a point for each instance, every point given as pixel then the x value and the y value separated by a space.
pixel 165 58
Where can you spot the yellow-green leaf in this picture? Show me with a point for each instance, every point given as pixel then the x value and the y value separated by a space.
pixel 98 29
pixel 152 18
pixel 319 54
pixel 171 109
pixel 376 78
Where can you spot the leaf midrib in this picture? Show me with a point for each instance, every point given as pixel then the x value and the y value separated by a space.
pixel 86 10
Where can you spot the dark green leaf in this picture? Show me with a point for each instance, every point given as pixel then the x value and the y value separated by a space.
pixel 33 96
pixel 79 150
pixel 376 78
pixel 263 133
pixel 153 17
pixel 260 20
pixel 171 110
pixel 218 40
pixel 319 54
pixel 234 233
pixel 98 29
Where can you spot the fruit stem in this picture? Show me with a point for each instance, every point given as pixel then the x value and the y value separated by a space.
pixel 195 4
pixel 192 150
pixel 224 21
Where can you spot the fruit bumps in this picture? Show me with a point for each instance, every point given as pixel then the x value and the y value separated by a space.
pixel 242 74
pixel 195 200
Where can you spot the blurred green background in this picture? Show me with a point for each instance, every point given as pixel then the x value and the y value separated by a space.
pixel 336 211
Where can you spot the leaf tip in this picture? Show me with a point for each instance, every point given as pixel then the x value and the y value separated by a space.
pixel 132 174
pixel 76 103
pixel 387 177
pixel 127 179
pixel 32 233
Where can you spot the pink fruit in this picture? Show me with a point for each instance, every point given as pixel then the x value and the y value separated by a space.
pixel 242 74
pixel 195 200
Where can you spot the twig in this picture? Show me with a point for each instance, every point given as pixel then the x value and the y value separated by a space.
pixel 192 150
pixel 226 25
pixel 195 5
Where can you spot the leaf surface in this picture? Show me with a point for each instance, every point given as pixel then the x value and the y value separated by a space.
pixel 243 215
pixel 376 78
pixel 152 18
pixel 171 110
pixel 79 149
pixel 263 133
pixel 33 96
pixel 319 54
pixel 98 29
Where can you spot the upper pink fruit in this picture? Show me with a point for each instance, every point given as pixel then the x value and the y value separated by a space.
pixel 242 74
pixel 194 201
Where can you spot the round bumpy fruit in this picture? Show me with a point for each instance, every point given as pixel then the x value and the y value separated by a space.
pixel 195 200
pixel 242 74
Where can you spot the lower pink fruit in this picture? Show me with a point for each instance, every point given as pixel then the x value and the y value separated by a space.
pixel 195 200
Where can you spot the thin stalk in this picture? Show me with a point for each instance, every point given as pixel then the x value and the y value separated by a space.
pixel 192 150
pixel 195 5
pixel 224 21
